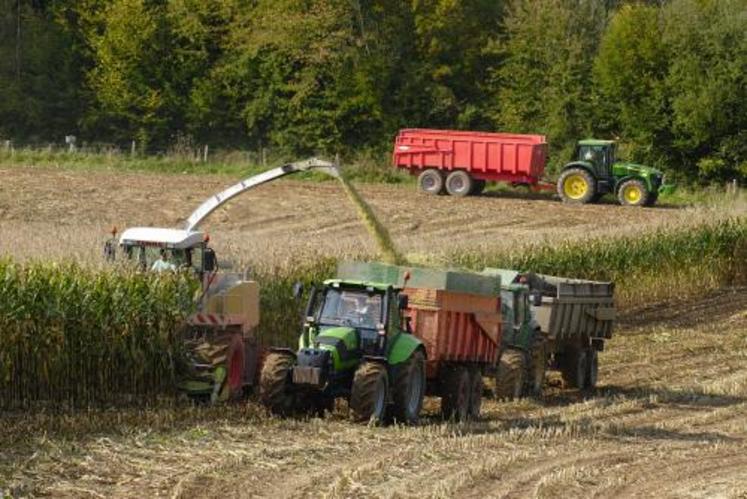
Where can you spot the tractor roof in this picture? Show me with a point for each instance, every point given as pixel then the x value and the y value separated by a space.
pixel 595 142
pixel 379 286
pixel 170 238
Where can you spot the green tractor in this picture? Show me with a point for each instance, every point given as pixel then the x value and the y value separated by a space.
pixel 355 344
pixel 596 171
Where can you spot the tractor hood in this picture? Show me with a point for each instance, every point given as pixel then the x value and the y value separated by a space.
pixel 340 341
pixel 636 169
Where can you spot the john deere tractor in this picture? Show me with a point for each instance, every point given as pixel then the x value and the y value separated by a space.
pixel 355 344
pixel 595 171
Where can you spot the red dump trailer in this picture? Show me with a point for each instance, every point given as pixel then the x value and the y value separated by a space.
pixel 459 163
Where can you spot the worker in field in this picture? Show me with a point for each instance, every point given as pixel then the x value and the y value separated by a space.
pixel 162 263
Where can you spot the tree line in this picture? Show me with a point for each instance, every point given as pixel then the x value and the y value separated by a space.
pixel 665 78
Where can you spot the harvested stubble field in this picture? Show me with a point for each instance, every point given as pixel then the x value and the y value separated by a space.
pixel 667 420
pixel 51 213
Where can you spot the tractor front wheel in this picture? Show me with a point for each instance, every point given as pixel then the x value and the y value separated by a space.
pixel 275 384
pixel 368 397
pixel 409 389
pixel 576 185
pixel 509 381
pixel 456 394
pixel 633 193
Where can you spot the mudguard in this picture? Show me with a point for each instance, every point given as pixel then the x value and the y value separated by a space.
pixel 403 348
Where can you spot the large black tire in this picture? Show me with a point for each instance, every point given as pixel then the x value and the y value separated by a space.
pixel 536 367
pixel 368 397
pixel 475 393
pixel 478 186
pixel 574 368
pixel 431 182
pixel 633 193
pixel 592 370
pixel 455 397
pixel 459 183
pixel 275 384
pixel 509 381
pixel 576 185
pixel 408 389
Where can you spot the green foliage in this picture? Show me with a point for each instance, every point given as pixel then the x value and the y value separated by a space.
pixel 341 76
pixel 70 335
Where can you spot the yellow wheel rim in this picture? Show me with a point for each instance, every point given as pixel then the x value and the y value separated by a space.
pixel 632 194
pixel 575 186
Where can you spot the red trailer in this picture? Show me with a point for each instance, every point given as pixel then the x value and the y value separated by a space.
pixel 460 163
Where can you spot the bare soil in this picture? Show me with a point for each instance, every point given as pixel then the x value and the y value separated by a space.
pixel 667 420
pixel 57 213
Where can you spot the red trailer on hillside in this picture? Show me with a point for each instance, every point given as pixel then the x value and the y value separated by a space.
pixel 460 163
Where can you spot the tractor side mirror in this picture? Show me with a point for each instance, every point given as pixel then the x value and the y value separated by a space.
pixel 209 260
pixel 403 302
pixel 535 299
pixel 297 290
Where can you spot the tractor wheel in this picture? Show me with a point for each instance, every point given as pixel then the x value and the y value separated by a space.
pixel 409 389
pixel 478 187
pixel 275 384
pixel 632 193
pixel 475 393
pixel 456 394
pixel 431 182
pixel 459 183
pixel 509 381
pixel 592 372
pixel 368 397
pixel 576 185
pixel 574 368
pixel 536 367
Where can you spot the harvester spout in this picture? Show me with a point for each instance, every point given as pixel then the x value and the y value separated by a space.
pixel 215 201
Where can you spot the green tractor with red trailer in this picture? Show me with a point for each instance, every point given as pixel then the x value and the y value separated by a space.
pixel 595 171
pixel 355 344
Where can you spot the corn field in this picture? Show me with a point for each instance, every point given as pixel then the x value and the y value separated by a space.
pixel 77 337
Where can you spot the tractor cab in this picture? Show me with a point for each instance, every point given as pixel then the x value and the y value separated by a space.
pixel 599 154
pixel 161 249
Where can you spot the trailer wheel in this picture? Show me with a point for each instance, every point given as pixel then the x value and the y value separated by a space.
pixel 576 185
pixel 475 393
pixel 574 368
pixel 431 181
pixel 459 183
pixel 368 397
pixel 455 400
pixel 592 374
pixel 509 381
pixel 633 193
pixel 536 368
pixel 409 389
pixel 275 384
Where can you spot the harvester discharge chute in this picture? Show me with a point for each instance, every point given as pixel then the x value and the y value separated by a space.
pixel 219 337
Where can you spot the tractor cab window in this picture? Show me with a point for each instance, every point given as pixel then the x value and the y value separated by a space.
pixel 351 308
pixel 146 256
pixel 600 156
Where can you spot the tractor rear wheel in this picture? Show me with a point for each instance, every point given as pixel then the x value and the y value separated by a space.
pixel 275 384
pixel 459 183
pixel 574 368
pixel 368 397
pixel 576 185
pixel 431 181
pixel 536 368
pixel 592 373
pixel 509 381
pixel 475 393
pixel 455 400
pixel 633 193
pixel 408 389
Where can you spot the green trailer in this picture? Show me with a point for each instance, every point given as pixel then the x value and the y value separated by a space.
pixel 551 322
